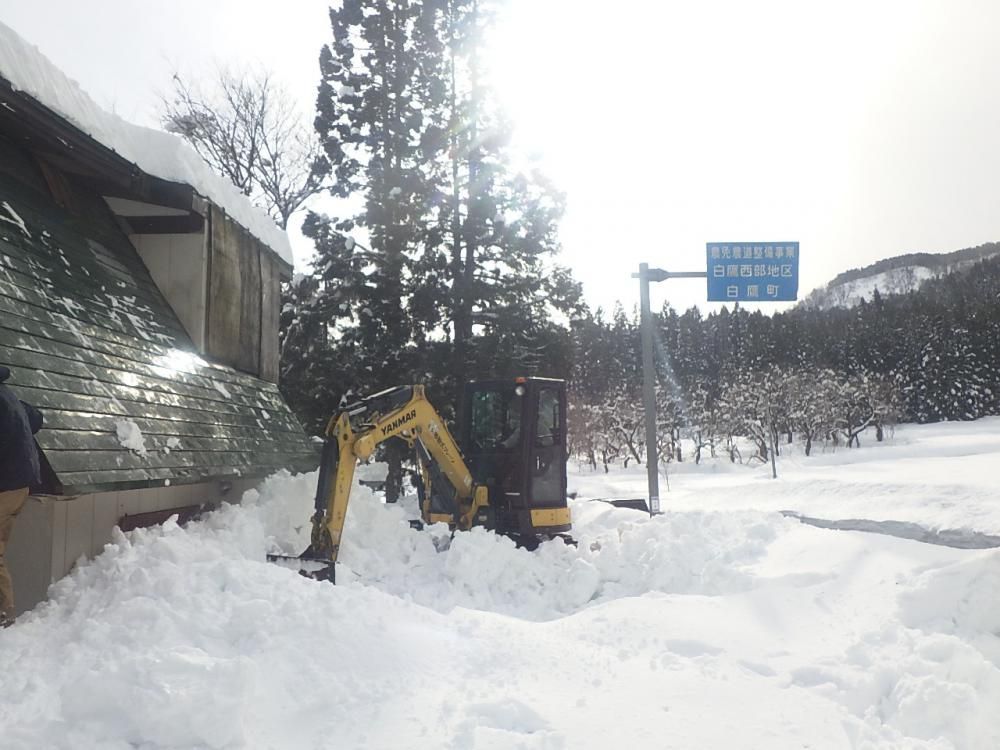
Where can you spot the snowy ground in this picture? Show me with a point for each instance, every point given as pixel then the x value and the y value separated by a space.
pixel 941 476
pixel 721 624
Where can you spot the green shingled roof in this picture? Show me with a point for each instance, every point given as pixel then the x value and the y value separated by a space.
pixel 92 342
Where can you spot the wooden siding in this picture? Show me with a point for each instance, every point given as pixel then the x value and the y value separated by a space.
pixel 225 284
pixel 177 263
pixel 244 300
pixel 250 301
pixel 90 339
pixel 270 281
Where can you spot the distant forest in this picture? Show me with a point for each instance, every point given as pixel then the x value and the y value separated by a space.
pixel 814 375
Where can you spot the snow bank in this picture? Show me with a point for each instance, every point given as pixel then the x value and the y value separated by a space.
pixel 185 638
pixel 930 678
pixel 700 628
pixel 619 553
pixel 961 599
pixel 157 153
pixel 171 638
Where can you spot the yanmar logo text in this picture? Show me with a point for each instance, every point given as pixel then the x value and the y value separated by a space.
pixel 399 422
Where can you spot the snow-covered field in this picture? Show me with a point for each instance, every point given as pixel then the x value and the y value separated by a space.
pixel 720 624
pixel 943 476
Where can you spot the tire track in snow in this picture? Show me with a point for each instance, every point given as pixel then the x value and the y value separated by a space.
pixel 957 538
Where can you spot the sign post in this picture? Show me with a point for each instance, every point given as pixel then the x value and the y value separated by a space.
pixel 648 393
pixel 736 272
pixel 645 275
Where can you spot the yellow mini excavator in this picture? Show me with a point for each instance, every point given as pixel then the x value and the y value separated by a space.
pixel 509 476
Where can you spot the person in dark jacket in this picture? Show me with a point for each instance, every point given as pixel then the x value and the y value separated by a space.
pixel 18 471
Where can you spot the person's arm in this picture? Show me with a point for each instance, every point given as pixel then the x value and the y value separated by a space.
pixel 35 418
pixel 6 420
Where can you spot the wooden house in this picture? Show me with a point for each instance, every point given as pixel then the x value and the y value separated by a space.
pixel 139 304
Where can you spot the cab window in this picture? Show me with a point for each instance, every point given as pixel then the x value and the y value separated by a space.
pixel 496 419
pixel 548 427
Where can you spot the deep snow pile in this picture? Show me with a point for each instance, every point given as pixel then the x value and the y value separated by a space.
pixel 619 553
pixel 717 628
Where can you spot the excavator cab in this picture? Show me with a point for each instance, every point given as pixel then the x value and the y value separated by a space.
pixel 513 437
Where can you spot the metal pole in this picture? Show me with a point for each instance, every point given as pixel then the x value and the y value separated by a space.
pixel 648 390
pixel 646 275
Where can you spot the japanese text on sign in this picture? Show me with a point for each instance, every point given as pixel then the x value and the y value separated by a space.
pixel 753 271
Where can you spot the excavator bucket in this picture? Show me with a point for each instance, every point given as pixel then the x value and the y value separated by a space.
pixel 317 568
pixel 634 503
pixel 311 564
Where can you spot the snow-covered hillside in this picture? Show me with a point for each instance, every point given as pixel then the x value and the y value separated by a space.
pixel 897 275
pixel 850 293
pixel 720 624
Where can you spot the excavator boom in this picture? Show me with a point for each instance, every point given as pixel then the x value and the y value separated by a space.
pixel 353 435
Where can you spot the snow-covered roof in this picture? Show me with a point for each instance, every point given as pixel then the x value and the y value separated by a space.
pixel 155 152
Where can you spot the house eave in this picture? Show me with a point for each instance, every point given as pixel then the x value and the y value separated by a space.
pixel 49 135
pixel 74 487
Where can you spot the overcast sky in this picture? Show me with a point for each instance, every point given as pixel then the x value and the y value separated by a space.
pixel 859 129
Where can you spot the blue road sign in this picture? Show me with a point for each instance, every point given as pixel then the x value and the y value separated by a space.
pixel 753 271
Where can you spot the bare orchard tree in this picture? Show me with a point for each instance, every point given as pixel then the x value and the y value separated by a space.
pixel 246 126
pixel 811 402
pixel 706 420
pixel 670 420
pixel 854 408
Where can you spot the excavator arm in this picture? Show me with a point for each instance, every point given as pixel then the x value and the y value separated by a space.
pixel 354 434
